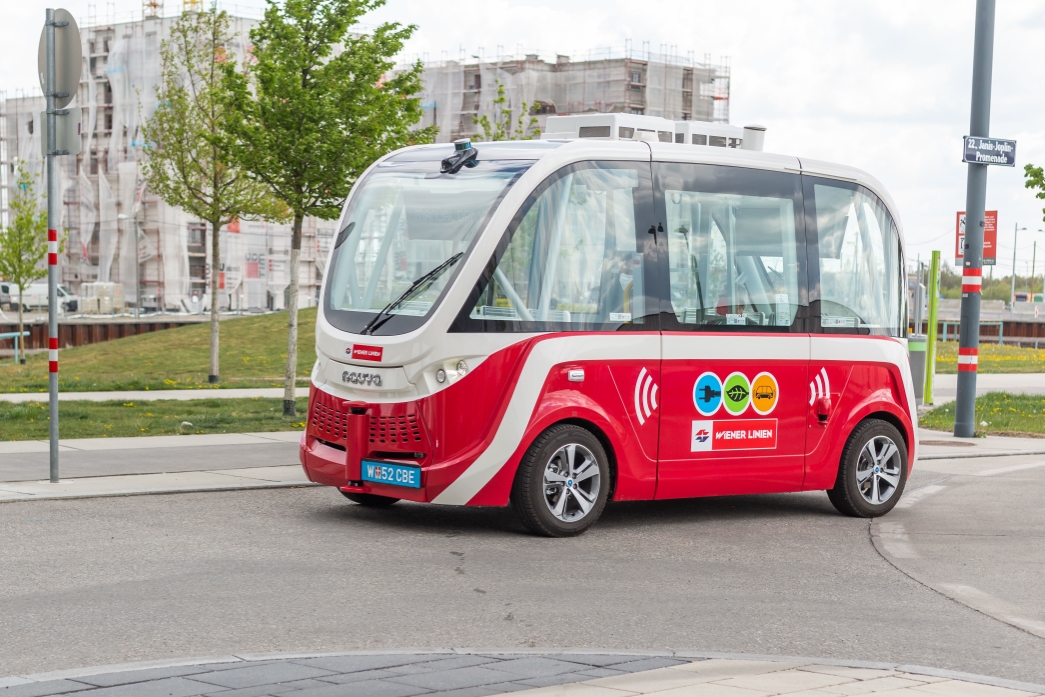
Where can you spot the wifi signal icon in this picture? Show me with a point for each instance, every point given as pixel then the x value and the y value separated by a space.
pixel 818 387
pixel 645 396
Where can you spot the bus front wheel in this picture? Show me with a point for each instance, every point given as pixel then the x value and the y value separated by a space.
pixel 563 482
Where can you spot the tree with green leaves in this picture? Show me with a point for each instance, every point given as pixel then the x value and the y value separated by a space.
pixel 23 243
pixel 315 106
pixel 503 127
pixel 186 165
pixel 1036 180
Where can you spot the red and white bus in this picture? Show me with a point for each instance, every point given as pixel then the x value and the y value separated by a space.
pixel 611 315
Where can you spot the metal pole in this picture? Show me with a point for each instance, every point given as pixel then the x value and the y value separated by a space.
pixel 930 334
pixel 1012 291
pixel 52 245
pixel 975 202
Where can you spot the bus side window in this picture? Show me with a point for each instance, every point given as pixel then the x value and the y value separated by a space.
pixel 574 259
pixel 733 254
pixel 859 256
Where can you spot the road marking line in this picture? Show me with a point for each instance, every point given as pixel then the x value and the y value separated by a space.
pixel 1011 468
pixel 917 495
pixel 896 541
pixel 995 607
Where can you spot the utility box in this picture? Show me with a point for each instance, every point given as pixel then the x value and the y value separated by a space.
pixel 102 298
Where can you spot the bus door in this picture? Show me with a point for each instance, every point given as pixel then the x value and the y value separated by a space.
pixel 734 341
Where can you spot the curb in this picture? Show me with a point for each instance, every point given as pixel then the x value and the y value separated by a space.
pixel 249 657
pixel 151 492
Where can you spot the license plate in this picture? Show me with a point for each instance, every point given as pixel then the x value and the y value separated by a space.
pixel 391 473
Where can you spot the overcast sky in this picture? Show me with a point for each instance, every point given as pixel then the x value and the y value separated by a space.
pixel 880 85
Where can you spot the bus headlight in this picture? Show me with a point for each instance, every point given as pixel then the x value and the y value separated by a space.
pixel 440 376
pixel 462 368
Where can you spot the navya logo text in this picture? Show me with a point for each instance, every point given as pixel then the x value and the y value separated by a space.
pixel 645 396
pixel 354 378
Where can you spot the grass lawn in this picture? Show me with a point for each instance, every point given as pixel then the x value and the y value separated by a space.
pixel 1003 414
pixel 253 354
pixel 165 417
pixel 993 359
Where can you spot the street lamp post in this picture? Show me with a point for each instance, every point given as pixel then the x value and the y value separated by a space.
pixel 1012 291
pixel 137 269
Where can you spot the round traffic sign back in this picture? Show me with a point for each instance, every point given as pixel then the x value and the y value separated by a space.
pixel 68 58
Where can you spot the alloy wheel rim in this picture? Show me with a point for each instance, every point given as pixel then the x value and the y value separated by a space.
pixel 571 482
pixel 878 470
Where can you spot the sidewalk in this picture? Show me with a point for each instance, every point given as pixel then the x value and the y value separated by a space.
pixel 105 457
pixel 945 387
pixel 942 445
pixel 148 395
pixel 467 673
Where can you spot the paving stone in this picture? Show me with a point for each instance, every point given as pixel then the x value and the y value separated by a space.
pixel 650 680
pixel 457 678
pixel 346 678
pixel 600 660
pixel 40 689
pixel 483 690
pixel 600 672
pixel 652 663
pixel 546 680
pixel 955 688
pixel 863 687
pixel 785 681
pixel 131 676
pixel 449 663
pixel 167 687
pixel 535 666
pixel 294 685
pixel 353 664
pixel 259 691
pixel 365 688
pixel 251 675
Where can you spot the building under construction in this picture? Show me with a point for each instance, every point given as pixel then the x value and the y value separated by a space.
pixel 457 93
pixel 117 230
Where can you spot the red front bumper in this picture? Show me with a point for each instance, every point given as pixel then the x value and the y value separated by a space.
pixel 341 433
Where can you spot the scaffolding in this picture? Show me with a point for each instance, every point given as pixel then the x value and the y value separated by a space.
pixel 115 229
pixel 457 93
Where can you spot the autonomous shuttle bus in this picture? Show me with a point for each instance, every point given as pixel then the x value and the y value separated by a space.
pixel 619 311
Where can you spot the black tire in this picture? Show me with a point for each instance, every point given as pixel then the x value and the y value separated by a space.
pixel 370 500
pixel 862 480
pixel 533 498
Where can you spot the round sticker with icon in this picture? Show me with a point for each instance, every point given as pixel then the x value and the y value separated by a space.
pixel 737 393
pixel 707 394
pixel 764 393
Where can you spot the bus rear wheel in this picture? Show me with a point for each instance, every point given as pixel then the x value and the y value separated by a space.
pixel 370 500
pixel 563 482
pixel 872 472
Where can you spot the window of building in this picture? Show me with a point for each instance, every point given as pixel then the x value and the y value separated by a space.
pixel 573 259
pixel 859 252
pixel 733 251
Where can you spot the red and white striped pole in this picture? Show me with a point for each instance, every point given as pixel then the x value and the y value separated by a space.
pixel 975 202
pixel 52 239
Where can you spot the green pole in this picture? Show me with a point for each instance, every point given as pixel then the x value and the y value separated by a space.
pixel 930 338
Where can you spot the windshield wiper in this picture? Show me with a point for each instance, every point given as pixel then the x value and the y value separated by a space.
pixel 373 325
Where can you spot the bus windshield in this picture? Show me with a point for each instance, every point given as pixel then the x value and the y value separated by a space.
pixel 406 221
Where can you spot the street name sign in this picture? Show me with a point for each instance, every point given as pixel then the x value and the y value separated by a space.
pixel 989 151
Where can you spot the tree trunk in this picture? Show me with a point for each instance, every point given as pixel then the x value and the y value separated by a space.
pixel 290 384
pixel 21 339
pixel 215 283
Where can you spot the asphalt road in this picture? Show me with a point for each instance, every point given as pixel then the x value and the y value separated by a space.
pixel 87 582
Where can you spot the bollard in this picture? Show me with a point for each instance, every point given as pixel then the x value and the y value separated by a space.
pixel 916 354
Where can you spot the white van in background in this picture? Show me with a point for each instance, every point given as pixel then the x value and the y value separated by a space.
pixel 35 297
